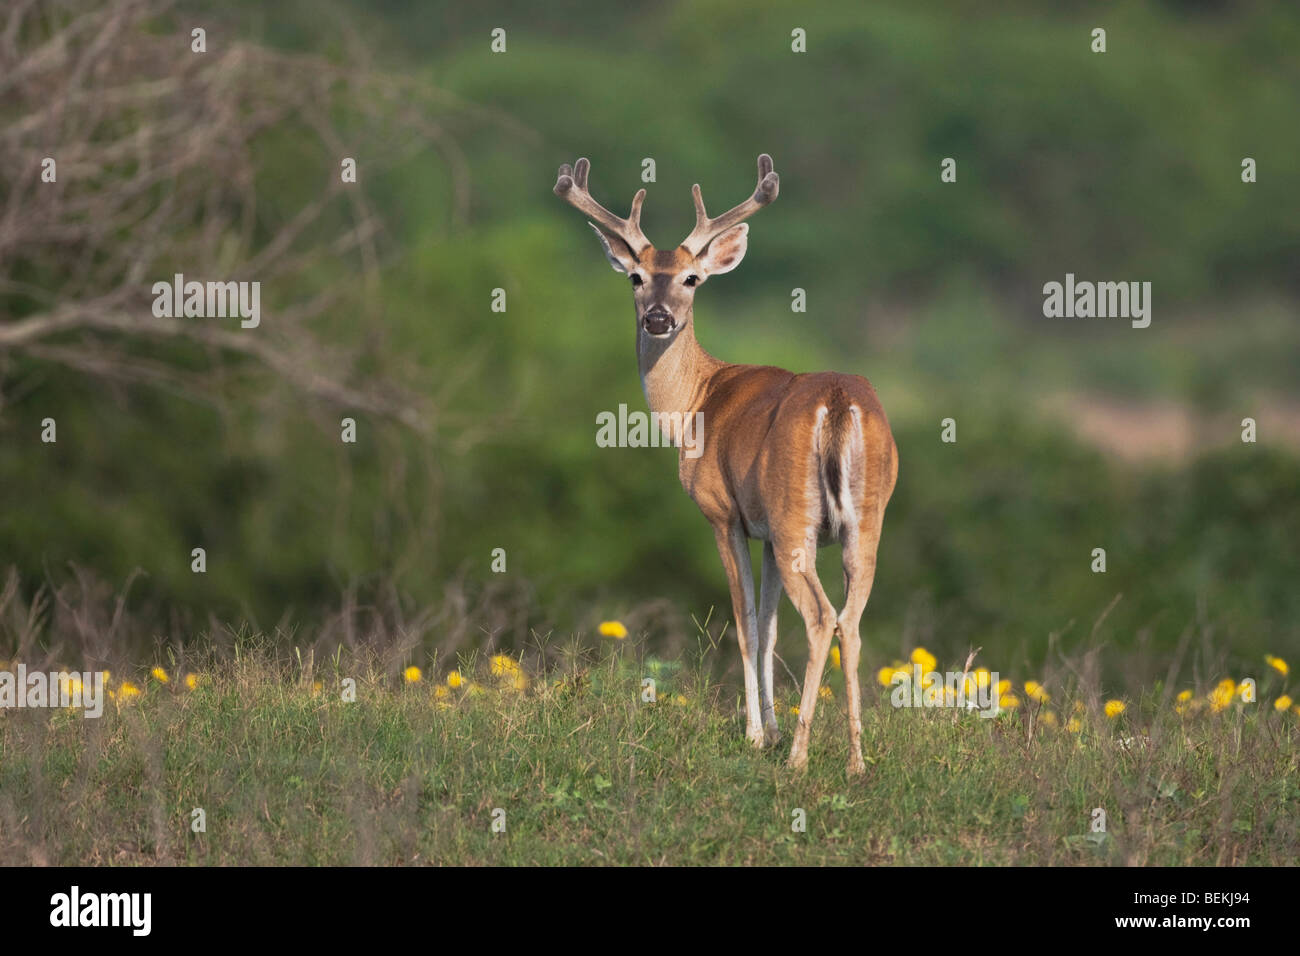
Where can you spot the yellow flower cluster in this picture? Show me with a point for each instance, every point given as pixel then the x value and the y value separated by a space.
pixel 927 661
pixel 128 690
pixel 509 675
pixel 1225 693
pixel 507 671
pixel 1228 692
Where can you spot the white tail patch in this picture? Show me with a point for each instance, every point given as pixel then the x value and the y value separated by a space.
pixel 851 460
pixel 837 511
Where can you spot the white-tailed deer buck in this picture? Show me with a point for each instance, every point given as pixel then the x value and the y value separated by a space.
pixel 796 461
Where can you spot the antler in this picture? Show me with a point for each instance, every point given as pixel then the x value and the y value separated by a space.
pixel 706 229
pixel 571 186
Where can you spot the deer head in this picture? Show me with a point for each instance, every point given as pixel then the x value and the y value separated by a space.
pixel 664 281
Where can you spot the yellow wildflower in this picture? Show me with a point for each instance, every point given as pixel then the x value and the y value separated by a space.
pixel 455 679
pixel 614 629
pixel 412 675
pixel 1035 691
pixel 1223 694
pixel 1049 718
pixel 1009 701
pixel 129 690
pixel 835 658
pixel 825 693
pixel 885 676
pixel 1277 664
pixel 1282 703
pixel 191 681
pixel 1004 687
pixel 927 660
pixel 503 665
pixel 1114 708
pixel 159 675
pixel 1074 725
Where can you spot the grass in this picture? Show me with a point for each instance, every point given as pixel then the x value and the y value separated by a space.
pixel 287 772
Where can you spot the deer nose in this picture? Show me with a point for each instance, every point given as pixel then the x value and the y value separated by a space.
pixel 658 321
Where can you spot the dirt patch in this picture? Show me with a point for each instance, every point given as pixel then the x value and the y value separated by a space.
pixel 1167 431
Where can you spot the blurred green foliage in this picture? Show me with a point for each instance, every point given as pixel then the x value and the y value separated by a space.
pixel 1121 166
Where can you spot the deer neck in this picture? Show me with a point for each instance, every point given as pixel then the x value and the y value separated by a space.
pixel 675 372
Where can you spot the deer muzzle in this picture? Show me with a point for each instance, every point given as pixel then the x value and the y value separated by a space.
pixel 658 321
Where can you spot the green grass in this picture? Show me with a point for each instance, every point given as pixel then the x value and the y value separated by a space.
pixel 589 774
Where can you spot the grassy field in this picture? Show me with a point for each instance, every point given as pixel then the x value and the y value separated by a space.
pixel 414 771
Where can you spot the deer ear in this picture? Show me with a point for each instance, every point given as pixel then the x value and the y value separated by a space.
pixel 725 251
pixel 616 250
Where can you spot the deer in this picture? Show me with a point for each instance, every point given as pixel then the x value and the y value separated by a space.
pixel 797 461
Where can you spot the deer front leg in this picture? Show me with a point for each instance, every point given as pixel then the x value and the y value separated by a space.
pixel 733 548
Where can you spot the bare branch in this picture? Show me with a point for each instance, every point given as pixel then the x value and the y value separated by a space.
pixel 162 168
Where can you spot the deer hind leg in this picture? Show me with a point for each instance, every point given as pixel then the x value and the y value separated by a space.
pixel 733 548
pixel 769 600
pixel 796 562
pixel 859 572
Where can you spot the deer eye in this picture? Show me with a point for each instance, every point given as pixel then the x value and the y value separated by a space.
pixel 636 279
pixel 691 280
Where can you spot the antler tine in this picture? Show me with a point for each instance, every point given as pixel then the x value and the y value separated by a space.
pixel 571 186
pixel 706 229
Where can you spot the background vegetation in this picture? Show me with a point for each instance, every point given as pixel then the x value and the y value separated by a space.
pixel 1071 435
